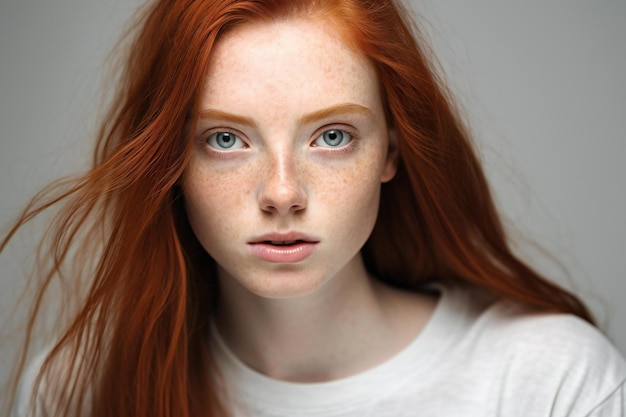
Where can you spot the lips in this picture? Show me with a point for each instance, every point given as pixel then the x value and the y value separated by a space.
pixel 283 242
pixel 281 239
pixel 292 247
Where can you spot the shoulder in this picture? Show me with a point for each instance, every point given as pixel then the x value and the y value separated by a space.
pixel 520 333
pixel 48 385
pixel 558 362
pixel 30 400
pixel 560 339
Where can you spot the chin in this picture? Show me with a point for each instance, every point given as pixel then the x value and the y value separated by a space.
pixel 285 284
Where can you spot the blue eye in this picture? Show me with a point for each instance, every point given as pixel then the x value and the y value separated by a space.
pixel 333 138
pixel 224 140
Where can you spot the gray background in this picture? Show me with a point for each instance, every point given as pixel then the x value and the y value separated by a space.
pixel 543 84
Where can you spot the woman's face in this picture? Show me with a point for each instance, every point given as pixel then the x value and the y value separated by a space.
pixel 282 188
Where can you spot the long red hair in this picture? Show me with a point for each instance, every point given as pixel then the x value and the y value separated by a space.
pixel 136 346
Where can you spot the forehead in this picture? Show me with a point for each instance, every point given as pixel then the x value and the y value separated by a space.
pixel 287 63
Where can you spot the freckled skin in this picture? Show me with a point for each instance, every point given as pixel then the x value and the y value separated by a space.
pixel 281 180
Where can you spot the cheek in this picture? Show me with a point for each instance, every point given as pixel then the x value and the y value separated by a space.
pixel 353 194
pixel 213 202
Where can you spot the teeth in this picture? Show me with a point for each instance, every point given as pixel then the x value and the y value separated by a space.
pixel 282 242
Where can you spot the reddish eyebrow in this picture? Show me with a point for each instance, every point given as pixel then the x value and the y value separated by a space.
pixel 346 108
pixel 227 117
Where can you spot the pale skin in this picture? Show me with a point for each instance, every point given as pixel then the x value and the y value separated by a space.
pixel 292 138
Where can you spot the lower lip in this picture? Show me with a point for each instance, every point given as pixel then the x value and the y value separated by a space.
pixel 283 254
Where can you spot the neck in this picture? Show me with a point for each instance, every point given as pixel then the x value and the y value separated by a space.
pixel 320 336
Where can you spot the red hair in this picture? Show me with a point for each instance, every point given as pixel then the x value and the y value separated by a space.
pixel 137 344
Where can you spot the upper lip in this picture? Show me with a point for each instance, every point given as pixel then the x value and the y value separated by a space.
pixel 287 237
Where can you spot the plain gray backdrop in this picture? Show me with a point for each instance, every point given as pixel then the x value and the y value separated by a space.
pixel 543 85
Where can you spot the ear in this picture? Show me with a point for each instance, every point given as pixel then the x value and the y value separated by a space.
pixel 391 163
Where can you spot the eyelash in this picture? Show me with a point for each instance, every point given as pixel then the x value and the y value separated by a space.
pixel 344 149
pixel 225 153
pixel 221 153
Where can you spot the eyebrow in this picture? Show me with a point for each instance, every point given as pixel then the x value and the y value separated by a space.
pixel 339 109
pixel 214 114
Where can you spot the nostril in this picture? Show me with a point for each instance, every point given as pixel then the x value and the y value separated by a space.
pixel 281 191
pixel 282 199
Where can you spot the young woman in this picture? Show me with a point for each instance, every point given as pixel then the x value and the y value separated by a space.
pixel 285 217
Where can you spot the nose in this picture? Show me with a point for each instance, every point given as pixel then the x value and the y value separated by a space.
pixel 282 192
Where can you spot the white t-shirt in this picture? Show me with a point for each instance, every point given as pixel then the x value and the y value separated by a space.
pixel 473 358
